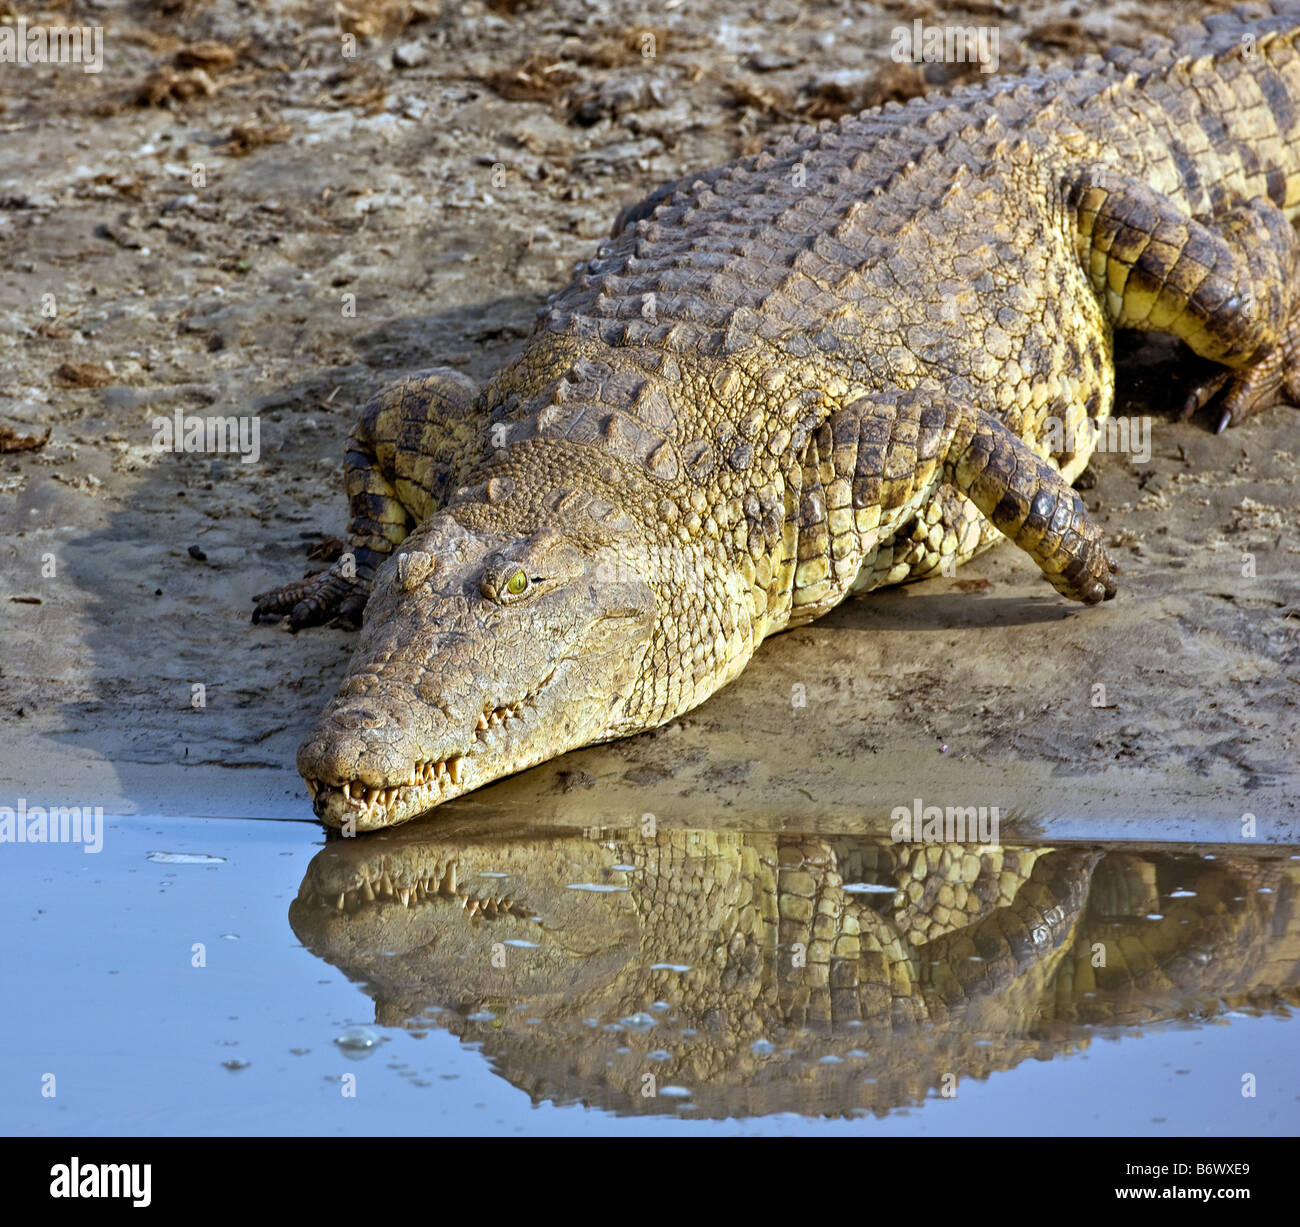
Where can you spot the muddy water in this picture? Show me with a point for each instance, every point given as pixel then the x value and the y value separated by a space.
pixel 221 976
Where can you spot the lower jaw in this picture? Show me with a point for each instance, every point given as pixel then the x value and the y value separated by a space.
pixel 337 811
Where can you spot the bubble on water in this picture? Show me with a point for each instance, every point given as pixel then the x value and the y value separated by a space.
pixel 519 941
pixel 659 1054
pixel 675 1092
pixel 358 1040
pixel 868 888
pixel 481 1016
pixel 595 887
pixel 761 1048
pixel 640 1021
pixel 677 967
pixel 235 1065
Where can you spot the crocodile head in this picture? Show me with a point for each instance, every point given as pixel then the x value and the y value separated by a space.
pixel 484 651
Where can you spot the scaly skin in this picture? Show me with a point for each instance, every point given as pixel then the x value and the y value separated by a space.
pixel 850 361
pixel 974 959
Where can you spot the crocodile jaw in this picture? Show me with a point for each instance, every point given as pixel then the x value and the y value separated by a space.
pixel 448 690
pixel 504 740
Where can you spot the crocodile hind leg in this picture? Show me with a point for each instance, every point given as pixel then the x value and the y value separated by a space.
pixel 1223 285
pixel 401 463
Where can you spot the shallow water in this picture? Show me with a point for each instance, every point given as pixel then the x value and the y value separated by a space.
pixel 641 984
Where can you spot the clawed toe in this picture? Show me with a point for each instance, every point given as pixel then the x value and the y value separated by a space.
pixel 1202 393
pixel 323 598
pixel 1239 394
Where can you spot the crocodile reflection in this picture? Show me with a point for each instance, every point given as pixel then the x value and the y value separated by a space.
pixel 775 972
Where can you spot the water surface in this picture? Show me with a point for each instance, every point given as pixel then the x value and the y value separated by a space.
pixel 451 977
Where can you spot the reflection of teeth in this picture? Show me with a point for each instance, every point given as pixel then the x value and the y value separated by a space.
pixel 440 884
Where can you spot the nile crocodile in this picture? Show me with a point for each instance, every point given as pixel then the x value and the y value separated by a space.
pixel 767 972
pixel 854 359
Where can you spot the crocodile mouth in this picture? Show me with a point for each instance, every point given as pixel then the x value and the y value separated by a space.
pixel 375 885
pixel 429 783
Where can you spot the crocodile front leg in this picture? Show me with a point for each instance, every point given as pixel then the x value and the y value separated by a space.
pixel 402 461
pixel 895 452
pixel 1222 285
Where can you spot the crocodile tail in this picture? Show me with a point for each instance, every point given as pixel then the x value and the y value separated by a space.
pixel 1222 99
pixel 1218 35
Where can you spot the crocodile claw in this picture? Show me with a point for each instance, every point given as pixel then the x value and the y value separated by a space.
pixel 1273 380
pixel 322 598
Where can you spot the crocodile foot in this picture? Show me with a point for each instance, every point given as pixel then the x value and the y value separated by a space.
pixel 1238 394
pixel 322 598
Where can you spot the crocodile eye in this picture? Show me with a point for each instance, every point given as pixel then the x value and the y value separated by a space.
pixel 517 583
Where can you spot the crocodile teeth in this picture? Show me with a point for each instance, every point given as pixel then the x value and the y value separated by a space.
pixel 347 789
pixel 453 767
pixel 405 896
pixel 482 723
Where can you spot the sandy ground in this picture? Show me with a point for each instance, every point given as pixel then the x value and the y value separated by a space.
pixel 234 218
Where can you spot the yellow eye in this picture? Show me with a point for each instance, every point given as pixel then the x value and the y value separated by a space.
pixel 517 583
